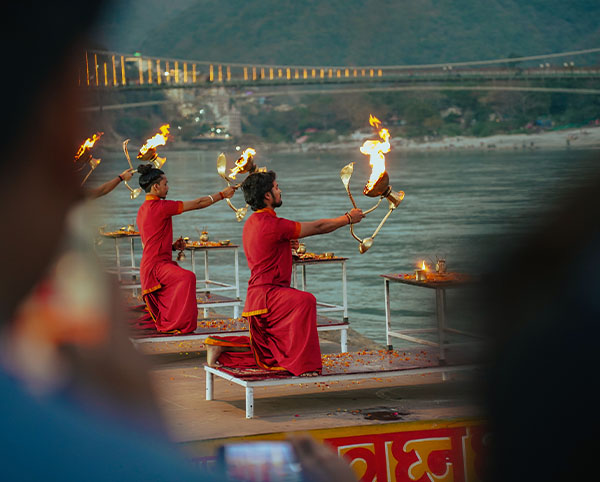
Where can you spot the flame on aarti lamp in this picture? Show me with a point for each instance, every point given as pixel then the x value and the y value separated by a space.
pixel 423 266
pixel 374 121
pixel 88 144
pixel 376 150
pixel 240 164
pixel 159 139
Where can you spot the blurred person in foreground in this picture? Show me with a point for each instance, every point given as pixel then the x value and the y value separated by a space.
pixel 283 320
pixel 542 306
pixel 76 400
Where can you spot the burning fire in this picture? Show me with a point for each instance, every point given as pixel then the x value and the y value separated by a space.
pixel 240 164
pixel 376 150
pixel 424 266
pixel 374 121
pixel 88 144
pixel 159 139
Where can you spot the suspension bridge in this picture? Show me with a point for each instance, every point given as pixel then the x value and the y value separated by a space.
pixel 105 72
pixel 111 70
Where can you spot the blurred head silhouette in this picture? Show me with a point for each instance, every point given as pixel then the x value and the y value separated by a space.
pixel 541 393
pixel 43 127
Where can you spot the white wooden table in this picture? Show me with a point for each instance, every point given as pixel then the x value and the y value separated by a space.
pixel 300 264
pixel 121 271
pixel 439 285
pixel 359 366
pixel 207 285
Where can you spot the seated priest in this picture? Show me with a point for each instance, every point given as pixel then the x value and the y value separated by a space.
pixel 169 291
pixel 283 320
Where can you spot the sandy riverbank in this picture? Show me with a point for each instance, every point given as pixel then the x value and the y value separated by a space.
pixel 588 138
pixel 580 138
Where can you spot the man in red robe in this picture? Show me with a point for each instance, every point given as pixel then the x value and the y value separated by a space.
pixel 168 290
pixel 283 320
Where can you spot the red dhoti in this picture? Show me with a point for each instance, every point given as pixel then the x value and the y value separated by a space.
pixel 285 338
pixel 173 307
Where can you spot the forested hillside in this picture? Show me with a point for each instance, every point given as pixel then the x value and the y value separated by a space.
pixel 360 32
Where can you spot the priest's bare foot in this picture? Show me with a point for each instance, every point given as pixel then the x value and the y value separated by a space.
pixel 212 354
pixel 310 374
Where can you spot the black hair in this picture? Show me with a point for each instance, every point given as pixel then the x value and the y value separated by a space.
pixel 149 176
pixel 255 186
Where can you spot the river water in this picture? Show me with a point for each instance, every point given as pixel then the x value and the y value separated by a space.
pixel 459 205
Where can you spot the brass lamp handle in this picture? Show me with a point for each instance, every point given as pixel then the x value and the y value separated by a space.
pixel 345 175
pixel 126 151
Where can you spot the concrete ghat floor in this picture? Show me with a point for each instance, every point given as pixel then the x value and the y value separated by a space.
pixel 179 380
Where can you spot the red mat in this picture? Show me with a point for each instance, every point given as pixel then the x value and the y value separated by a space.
pixel 349 363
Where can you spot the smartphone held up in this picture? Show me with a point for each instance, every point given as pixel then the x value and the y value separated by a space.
pixel 260 462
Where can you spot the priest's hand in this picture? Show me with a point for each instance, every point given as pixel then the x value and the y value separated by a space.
pixel 126 175
pixel 179 245
pixel 356 215
pixel 228 192
pixel 294 243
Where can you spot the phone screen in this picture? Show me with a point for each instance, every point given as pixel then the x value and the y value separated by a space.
pixel 260 462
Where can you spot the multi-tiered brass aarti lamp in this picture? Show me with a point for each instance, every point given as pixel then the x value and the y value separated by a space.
pixel 378 184
pixel 244 164
pixel 147 153
pixel 84 156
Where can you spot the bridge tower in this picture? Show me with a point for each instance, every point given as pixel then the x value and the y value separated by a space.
pixel 224 111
